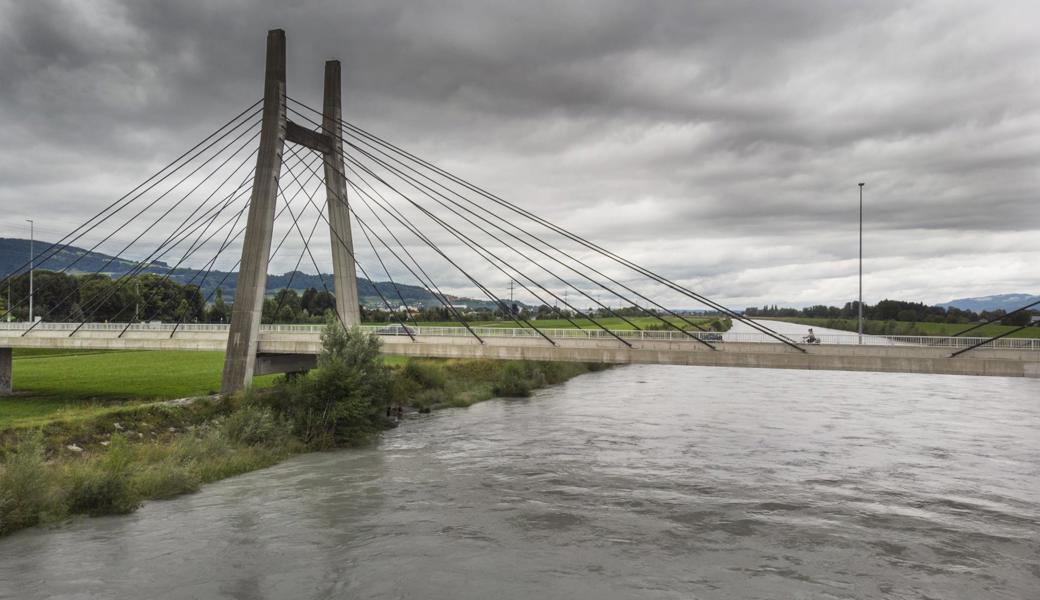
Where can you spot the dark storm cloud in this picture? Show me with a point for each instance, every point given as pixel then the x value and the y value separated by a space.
pixel 718 141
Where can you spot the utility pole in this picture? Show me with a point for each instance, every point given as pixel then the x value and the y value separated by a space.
pixel 32 254
pixel 861 262
pixel 510 291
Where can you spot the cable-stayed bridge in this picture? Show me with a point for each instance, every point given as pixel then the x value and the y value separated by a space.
pixel 417 221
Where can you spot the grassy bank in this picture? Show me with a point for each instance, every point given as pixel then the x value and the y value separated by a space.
pixel 912 328
pixel 107 454
pixel 71 385
pixel 438 383
pixel 110 464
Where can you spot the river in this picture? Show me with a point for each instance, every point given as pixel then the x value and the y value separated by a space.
pixel 636 482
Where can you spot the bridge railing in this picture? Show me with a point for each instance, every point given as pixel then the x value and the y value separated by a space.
pixel 9 329
pixel 116 327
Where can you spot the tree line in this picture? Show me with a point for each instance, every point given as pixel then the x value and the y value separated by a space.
pixel 893 310
pixel 96 297
pixel 63 297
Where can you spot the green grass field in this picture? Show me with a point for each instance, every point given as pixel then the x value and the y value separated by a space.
pixel 60 383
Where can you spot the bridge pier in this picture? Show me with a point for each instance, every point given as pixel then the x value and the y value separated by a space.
pixel 6 371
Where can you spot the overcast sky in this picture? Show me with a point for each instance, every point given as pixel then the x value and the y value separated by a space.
pixel 718 142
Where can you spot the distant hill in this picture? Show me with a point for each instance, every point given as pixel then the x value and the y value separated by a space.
pixel 14 253
pixel 1002 301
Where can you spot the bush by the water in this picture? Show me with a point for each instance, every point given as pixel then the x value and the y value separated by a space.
pixel 103 487
pixel 254 425
pixel 118 478
pixel 343 402
pixel 425 375
pixel 26 494
pixel 514 382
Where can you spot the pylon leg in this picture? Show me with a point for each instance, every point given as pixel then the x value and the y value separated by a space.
pixel 344 271
pixel 244 333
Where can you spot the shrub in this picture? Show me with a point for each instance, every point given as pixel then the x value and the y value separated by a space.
pixel 425 375
pixel 343 401
pixel 103 486
pixel 209 455
pixel 254 425
pixel 513 382
pixel 26 495
pixel 429 398
pixel 166 479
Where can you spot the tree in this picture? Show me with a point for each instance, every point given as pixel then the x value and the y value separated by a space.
pixel 161 298
pixel 1018 319
pixel 344 400
pixel 192 296
pixel 906 315
pixel 183 311
pixel 218 312
pixel 103 299
pixel 307 301
pixel 321 303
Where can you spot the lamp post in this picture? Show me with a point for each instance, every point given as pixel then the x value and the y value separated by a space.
pixel 32 254
pixel 861 262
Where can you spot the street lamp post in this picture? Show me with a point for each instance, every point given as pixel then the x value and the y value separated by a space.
pixel 861 262
pixel 32 254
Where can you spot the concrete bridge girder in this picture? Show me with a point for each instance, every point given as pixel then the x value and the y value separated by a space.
pixel 280 352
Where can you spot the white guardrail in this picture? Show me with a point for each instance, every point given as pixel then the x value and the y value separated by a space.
pixel 9 329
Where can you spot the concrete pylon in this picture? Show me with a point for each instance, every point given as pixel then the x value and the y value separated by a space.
pixel 244 334
pixel 240 362
pixel 6 371
pixel 344 272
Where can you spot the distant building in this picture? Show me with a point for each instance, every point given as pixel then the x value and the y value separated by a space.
pixel 1033 320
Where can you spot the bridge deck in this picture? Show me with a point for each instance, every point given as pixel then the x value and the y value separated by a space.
pixel 1006 357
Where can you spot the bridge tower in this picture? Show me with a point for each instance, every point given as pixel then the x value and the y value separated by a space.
pixel 275 130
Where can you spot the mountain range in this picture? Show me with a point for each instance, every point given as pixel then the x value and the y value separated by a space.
pixel 1006 302
pixel 14 253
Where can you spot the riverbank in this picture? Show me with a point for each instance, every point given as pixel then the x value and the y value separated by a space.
pixel 109 457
